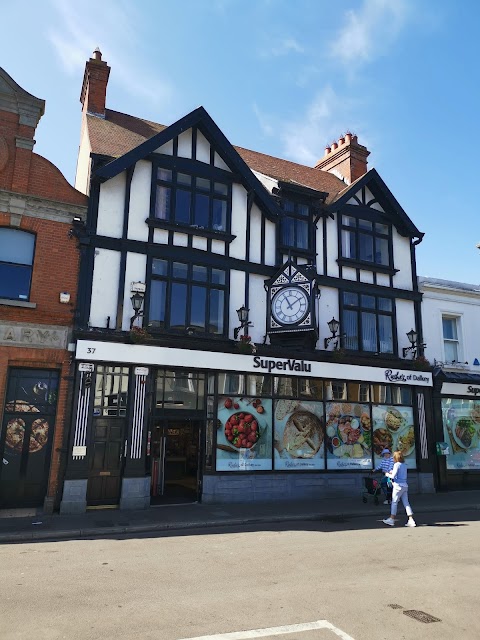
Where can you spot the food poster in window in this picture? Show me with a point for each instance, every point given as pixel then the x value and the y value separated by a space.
pixel 299 435
pixel 244 434
pixel 393 429
pixel 461 427
pixel 349 436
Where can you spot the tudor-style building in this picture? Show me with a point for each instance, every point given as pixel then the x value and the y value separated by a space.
pixel 208 365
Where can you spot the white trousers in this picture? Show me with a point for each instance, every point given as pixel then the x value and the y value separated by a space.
pixel 400 493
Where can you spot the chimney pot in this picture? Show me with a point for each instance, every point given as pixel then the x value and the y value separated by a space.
pixel 97 54
pixel 341 141
pixel 348 137
pixel 334 146
pixel 327 150
pixel 351 160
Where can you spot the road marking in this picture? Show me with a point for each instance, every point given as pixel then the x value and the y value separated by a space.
pixel 276 631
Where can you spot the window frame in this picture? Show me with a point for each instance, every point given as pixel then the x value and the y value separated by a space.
pixel 196 171
pixel 457 341
pixel 169 279
pixel 296 217
pixel 359 309
pixel 373 233
pixel 17 264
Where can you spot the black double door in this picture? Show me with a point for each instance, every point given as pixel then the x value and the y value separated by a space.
pixel 106 462
pixel 26 436
pixel 175 453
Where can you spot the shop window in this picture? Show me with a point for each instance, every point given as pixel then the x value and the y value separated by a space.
pixel 367 322
pixel 335 390
pixel 365 241
pixel 286 386
pixel 180 390
pixel 310 388
pixel 358 391
pixel 16 263
pixel 111 391
pixel 295 225
pixel 259 385
pixel 187 296
pixel 191 200
pixel 231 383
pixel 451 344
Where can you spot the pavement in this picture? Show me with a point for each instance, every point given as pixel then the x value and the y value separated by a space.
pixel 29 526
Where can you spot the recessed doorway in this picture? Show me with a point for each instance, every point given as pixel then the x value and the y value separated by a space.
pixel 175 451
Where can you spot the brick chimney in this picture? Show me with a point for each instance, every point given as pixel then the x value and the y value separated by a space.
pixel 345 158
pixel 94 87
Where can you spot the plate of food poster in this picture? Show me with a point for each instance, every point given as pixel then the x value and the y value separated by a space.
pixel 244 434
pixel 348 431
pixel 299 435
pixel 465 432
pixel 405 441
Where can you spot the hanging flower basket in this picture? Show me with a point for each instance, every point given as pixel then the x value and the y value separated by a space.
pixel 245 345
pixel 139 335
pixel 421 363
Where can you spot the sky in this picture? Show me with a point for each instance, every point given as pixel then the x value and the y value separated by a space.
pixel 286 78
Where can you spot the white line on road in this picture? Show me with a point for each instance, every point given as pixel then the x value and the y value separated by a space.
pixel 276 631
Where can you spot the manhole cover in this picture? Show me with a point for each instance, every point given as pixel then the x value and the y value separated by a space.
pixel 395 606
pixel 421 616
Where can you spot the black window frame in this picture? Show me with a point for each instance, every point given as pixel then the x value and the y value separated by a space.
pixel 19 264
pixel 170 279
pixel 359 309
pixel 297 217
pixel 196 171
pixel 357 261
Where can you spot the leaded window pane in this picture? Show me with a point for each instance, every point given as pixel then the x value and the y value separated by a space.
pixel 385 330
pixel 348 244
pixel 220 188
pixel 180 270
pixel 302 235
pixel 366 247
pixel 384 304
pixel 158 296
pixel 218 276
pixel 202 205
pixel 159 267
pixel 199 273
pixel 365 224
pixel 198 304
pixel 178 305
pixel 288 232
pixel 164 174
pixel 350 328
pixel 219 215
pixel 182 206
pixel 217 307
pixel 369 332
pixel 381 251
pixel 368 302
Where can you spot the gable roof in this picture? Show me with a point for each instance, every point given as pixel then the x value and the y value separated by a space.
pixel 385 198
pixel 201 119
pixel 119 133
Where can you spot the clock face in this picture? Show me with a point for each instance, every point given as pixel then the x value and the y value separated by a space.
pixel 290 305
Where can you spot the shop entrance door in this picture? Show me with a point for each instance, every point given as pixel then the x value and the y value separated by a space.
pixel 26 436
pixel 175 461
pixel 106 463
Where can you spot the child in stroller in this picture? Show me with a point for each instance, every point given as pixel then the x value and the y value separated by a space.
pixel 386 465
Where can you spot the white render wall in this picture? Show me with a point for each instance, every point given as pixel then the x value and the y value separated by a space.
pixel 140 189
pixel 135 271
pixel 104 298
pixel 463 305
pixel 405 322
pixel 111 206
pixel 402 261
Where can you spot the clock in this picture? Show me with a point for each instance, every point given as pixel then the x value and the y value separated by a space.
pixel 290 305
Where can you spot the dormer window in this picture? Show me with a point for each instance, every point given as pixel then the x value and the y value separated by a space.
pixel 366 241
pixel 295 225
pixel 191 200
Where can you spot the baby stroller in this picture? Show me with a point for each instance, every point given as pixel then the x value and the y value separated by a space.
pixel 372 489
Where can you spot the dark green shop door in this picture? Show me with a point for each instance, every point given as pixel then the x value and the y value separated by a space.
pixel 106 462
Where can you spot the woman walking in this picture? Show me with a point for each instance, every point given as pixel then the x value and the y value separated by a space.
pixel 400 490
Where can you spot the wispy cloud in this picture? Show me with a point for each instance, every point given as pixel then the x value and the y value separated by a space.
pixel 113 25
pixel 282 47
pixel 367 32
pixel 327 116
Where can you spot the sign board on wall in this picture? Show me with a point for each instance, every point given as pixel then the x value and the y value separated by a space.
pixel 42 336
pixel 469 390
pixel 192 359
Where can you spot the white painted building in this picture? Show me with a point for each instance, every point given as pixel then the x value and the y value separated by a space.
pixel 451 312
pixel 230 382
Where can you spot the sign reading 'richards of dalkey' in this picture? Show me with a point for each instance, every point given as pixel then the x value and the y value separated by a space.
pixel 41 336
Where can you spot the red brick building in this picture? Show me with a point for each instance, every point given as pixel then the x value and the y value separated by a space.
pixel 38 284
